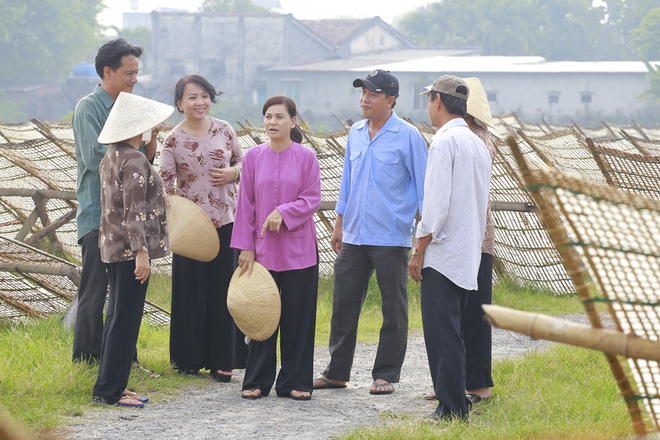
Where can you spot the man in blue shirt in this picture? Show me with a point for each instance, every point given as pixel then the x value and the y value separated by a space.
pixel 117 64
pixel 381 189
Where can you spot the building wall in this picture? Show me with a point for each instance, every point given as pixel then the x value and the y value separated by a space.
pixel 232 51
pixel 376 39
pixel 327 95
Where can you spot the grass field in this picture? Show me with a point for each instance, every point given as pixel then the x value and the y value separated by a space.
pixel 561 393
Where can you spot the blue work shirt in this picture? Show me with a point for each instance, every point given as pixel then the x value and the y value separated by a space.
pixel 89 117
pixel 382 185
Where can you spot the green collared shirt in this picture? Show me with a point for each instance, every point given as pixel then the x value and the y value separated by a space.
pixel 89 116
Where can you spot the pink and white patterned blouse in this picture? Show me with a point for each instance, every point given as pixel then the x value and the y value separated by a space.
pixel 185 162
pixel 488 245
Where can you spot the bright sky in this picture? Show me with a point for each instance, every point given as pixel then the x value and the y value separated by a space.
pixel 301 9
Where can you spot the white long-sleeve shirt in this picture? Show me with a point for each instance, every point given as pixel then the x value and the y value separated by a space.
pixel 455 201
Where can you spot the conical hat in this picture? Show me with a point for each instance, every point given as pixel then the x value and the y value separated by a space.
pixel 132 115
pixel 477 103
pixel 191 231
pixel 254 303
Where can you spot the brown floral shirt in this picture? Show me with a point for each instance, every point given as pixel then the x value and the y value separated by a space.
pixel 187 160
pixel 488 245
pixel 132 206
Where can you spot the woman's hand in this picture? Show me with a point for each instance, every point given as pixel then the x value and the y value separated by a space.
pixel 246 262
pixel 273 222
pixel 142 266
pixel 221 176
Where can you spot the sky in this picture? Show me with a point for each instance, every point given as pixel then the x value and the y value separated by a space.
pixel 301 9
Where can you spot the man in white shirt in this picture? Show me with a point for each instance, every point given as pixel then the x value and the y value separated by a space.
pixel 447 254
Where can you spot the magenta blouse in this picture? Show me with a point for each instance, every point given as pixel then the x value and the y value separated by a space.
pixel 290 181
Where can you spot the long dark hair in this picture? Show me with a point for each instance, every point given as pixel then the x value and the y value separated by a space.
pixel 296 134
pixel 200 81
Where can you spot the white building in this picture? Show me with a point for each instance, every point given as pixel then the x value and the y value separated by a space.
pixel 556 91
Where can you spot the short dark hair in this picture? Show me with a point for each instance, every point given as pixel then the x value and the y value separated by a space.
pixel 200 81
pixel 387 95
pixel 455 106
pixel 296 134
pixel 111 53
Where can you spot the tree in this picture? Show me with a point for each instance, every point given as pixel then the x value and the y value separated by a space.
pixel 646 37
pixel 43 39
pixel 554 29
pixel 231 6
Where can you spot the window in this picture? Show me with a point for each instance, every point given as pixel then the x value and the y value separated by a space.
pixel 585 97
pixel 492 96
pixel 553 97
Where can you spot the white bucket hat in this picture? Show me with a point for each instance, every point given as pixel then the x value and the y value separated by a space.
pixel 132 115
pixel 477 102
pixel 254 302
pixel 191 232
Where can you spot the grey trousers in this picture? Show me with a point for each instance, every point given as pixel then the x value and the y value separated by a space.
pixel 353 269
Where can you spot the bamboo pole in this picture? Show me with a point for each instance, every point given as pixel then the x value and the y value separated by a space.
pixel 540 326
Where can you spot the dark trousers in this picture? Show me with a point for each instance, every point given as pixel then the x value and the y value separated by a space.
pixel 353 269
pixel 202 332
pixel 476 331
pixel 122 326
pixel 92 291
pixel 298 290
pixel 442 302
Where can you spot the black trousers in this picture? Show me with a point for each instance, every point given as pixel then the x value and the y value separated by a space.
pixel 122 326
pixel 202 332
pixel 477 332
pixel 299 290
pixel 88 331
pixel 442 302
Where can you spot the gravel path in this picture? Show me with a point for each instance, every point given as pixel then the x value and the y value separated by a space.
pixel 218 411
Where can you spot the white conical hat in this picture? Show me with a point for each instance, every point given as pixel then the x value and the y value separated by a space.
pixel 477 103
pixel 190 230
pixel 132 115
pixel 254 302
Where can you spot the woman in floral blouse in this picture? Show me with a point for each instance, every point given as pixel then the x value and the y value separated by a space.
pixel 201 160
pixel 280 192
pixel 133 231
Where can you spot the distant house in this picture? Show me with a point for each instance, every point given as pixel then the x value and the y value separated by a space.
pixel 557 91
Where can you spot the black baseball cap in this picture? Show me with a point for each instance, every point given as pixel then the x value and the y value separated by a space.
pixel 379 81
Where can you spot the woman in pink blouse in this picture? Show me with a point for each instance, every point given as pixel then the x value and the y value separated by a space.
pixel 202 156
pixel 279 194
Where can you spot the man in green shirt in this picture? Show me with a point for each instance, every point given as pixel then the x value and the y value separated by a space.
pixel 117 63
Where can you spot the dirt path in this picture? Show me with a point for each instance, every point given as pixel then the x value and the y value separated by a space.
pixel 218 411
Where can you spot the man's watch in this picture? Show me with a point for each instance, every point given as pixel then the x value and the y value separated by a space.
pixel 417 253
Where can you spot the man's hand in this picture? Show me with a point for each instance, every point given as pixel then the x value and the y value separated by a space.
pixel 337 234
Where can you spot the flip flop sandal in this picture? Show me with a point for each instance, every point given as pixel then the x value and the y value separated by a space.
pixel 135 396
pixel 327 384
pixel 377 384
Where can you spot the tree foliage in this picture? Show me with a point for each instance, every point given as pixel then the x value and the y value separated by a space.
pixel 43 39
pixel 646 37
pixel 231 6
pixel 555 29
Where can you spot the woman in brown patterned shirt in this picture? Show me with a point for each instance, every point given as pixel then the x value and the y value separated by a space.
pixel 133 231
pixel 203 158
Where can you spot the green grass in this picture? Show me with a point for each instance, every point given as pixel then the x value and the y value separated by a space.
pixel 562 393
